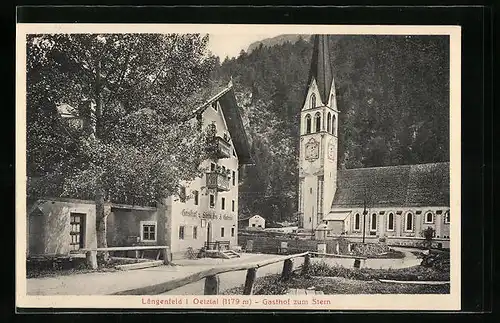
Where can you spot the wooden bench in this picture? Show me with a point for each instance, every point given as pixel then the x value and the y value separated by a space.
pixel 91 253
pixel 300 291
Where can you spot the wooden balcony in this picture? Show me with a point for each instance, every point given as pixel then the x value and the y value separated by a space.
pixel 218 181
pixel 223 148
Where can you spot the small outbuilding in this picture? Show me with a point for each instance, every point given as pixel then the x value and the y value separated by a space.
pixel 257 221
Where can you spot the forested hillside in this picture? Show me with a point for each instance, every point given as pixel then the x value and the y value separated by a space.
pixel 393 95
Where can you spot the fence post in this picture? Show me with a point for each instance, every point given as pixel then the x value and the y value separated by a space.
pixel 212 285
pixel 287 269
pixel 249 281
pixel 307 264
pixel 91 257
pixel 167 257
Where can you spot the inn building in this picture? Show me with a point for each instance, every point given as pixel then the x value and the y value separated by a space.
pixel 393 202
pixel 204 213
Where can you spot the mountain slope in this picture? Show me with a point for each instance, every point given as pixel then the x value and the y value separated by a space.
pixel 392 94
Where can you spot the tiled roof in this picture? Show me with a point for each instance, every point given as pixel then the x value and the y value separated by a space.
pixel 405 185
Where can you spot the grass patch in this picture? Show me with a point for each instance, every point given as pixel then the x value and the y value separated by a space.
pixel 272 285
pixel 416 273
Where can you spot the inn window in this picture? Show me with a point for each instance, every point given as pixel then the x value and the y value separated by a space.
pixel 212 167
pixel 308 123
pixel 196 197
pixel 182 194
pixel 356 221
pixel 232 205
pixel 429 217
pixel 222 232
pixel 313 101
pixel 447 217
pixel 181 232
pixel 232 232
pixel 195 232
pixel 409 222
pixel 212 200
pixel 234 178
pixel 390 222
pixel 77 230
pixel 317 120
pixel 223 203
pixel 373 226
pixel 148 230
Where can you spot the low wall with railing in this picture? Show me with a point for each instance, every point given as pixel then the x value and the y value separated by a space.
pixel 212 281
pixel 274 245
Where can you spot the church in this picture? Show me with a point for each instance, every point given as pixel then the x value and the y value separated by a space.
pixel 395 203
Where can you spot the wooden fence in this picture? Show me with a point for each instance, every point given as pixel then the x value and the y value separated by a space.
pixel 211 276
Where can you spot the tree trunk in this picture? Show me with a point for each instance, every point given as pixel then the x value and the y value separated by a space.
pixel 101 217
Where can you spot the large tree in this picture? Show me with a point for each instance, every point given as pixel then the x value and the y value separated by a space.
pixel 138 147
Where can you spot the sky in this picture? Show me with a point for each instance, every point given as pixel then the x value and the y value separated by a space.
pixel 230 45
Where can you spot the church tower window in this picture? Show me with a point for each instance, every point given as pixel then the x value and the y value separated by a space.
pixel 308 124
pixel 333 124
pixel 317 121
pixel 313 101
pixel 328 122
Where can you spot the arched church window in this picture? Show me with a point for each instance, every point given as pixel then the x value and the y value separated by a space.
pixel 390 222
pixel 429 217
pixel 328 121
pixel 308 123
pixel 313 101
pixel 356 222
pixel 409 222
pixel 317 118
pixel 373 222
pixel 333 124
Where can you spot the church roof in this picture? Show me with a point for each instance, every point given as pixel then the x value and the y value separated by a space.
pixel 321 69
pixel 398 186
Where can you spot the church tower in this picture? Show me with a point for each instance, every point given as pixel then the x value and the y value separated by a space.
pixel 318 139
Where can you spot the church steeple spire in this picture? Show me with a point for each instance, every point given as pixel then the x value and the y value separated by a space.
pixel 321 69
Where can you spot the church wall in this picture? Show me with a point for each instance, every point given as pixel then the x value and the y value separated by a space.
pixel 438 224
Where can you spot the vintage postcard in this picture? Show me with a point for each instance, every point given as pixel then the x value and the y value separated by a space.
pixel 270 167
